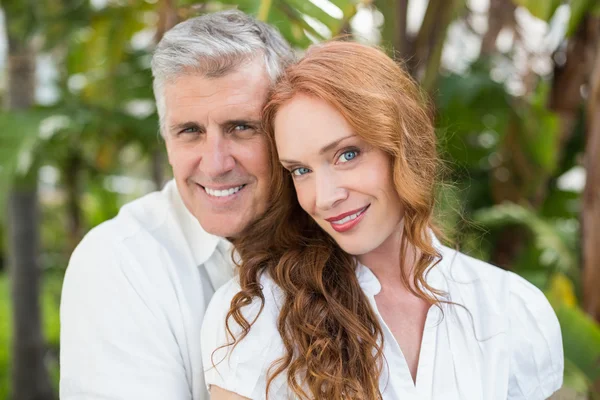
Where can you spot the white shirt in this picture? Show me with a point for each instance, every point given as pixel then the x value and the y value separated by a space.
pixel 133 300
pixel 505 343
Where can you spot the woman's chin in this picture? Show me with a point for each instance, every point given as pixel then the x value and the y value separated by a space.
pixel 355 248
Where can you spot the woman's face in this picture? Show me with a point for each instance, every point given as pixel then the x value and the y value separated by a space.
pixel 344 184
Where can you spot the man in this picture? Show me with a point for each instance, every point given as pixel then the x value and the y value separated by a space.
pixel 137 286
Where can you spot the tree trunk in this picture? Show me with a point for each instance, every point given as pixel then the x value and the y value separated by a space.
pixel 572 67
pixel 590 215
pixel 394 33
pixel 429 42
pixel 167 18
pixel 402 41
pixel 71 175
pixel 29 377
pixel 501 14
pixel 157 164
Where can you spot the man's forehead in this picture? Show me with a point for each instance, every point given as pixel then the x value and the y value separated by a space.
pixel 252 75
pixel 197 98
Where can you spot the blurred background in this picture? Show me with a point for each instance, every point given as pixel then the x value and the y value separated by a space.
pixel 516 89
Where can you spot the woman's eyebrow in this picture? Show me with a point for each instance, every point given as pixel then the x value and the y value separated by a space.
pixel 334 144
pixel 323 150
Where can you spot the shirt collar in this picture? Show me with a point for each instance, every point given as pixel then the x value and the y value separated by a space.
pixel 201 243
pixel 434 275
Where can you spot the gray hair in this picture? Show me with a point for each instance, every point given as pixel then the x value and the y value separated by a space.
pixel 213 45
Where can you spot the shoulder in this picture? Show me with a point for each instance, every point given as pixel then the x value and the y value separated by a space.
pixel 134 220
pixel 242 368
pixel 483 287
pixel 140 254
pixel 273 298
pixel 491 290
pixel 263 315
pixel 502 301
pixel 144 236
pixel 537 359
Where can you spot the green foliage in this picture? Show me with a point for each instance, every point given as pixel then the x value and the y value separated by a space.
pixel 292 18
pixel 581 340
pixel 556 253
pixel 540 131
pixel 18 146
pixel 474 112
pixel 50 299
pixel 580 334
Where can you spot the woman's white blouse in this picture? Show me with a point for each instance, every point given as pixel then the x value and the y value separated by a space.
pixel 505 343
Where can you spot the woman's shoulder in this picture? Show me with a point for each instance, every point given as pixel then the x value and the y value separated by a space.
pixel 242 368
pixel 502 301
pixel 474 280
pixel 220 302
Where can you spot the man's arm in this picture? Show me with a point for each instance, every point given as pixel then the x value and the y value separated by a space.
pixel 116 340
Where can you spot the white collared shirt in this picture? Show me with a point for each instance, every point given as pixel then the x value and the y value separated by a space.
pixel 133 299
pixel 505 343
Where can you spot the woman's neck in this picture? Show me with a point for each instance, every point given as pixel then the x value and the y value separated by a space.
pixel 384 262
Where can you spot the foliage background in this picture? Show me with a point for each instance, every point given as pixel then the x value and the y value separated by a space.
pixel 512 83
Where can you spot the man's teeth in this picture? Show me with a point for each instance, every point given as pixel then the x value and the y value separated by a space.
pixel 348 218
pixel 223 193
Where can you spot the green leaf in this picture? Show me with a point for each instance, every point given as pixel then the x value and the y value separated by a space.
pixel 264 9
pixel 310 9
pixel 470 106
pixel 554 250
pixel 581 340
pixel 290 23
pixel 541 138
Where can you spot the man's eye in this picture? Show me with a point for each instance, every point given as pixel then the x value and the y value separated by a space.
pixel 191 129
pixel 348 156
pixel 300 171
pixel 243 131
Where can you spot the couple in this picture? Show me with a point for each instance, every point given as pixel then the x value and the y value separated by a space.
pixel 320 174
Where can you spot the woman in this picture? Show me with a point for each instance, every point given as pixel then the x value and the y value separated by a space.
pixel 344 291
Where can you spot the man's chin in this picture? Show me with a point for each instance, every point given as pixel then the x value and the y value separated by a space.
pixel 222 227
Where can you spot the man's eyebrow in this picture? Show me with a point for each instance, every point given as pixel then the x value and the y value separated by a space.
pixel 324 150
pixel 241 121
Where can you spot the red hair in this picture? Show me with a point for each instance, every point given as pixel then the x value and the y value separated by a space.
pixel 332 338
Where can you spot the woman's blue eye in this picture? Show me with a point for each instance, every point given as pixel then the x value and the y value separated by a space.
pixel 348 156
pixel 300 171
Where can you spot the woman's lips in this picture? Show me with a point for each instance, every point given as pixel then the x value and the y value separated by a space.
pixel 345 222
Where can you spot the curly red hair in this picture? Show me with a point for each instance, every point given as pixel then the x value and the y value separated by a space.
pixel 333 340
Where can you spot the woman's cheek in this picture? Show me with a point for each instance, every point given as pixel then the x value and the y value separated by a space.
pixel 305 197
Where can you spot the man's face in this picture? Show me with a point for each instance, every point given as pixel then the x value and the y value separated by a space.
pixel 219 156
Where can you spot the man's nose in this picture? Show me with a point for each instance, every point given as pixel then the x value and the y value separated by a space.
pixel 217 158
pixel 329 191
